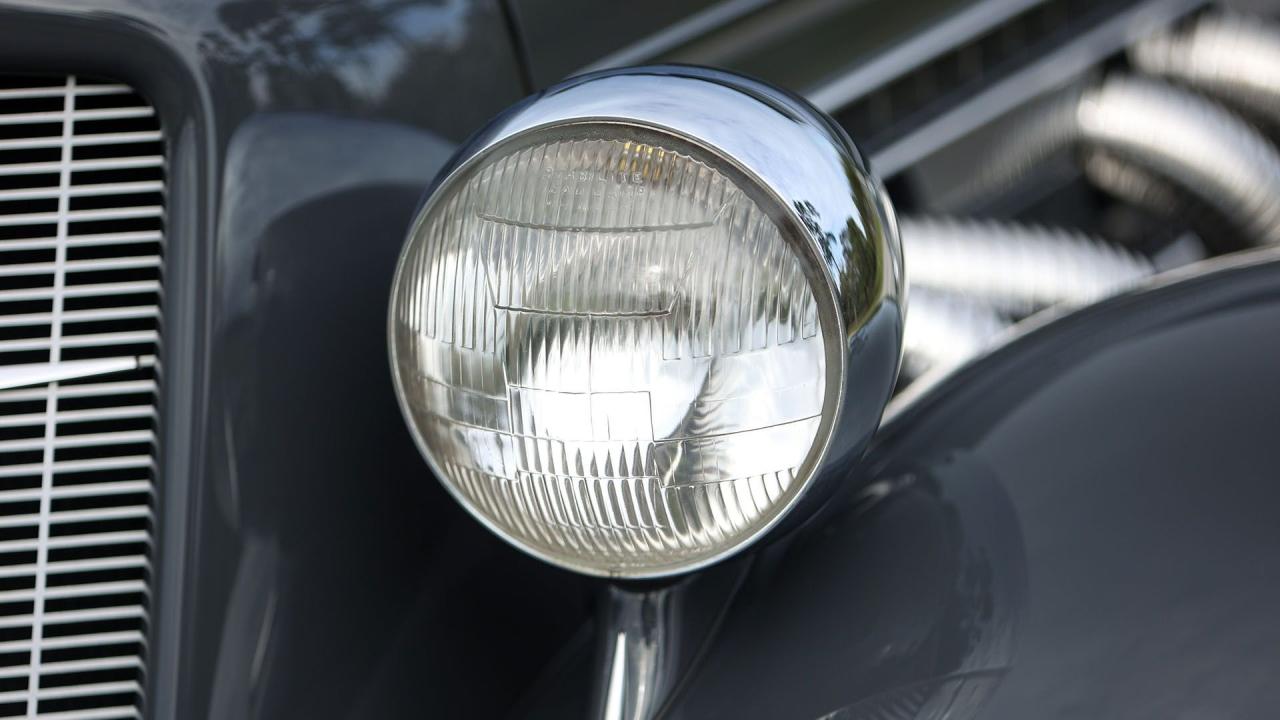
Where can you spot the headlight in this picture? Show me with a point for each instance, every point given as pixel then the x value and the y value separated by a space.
pixel 621 326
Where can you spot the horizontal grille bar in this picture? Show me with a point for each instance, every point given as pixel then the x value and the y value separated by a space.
pixel 105 713
pixel 70 316
pixel 136 511
pixel 77 341
pixel 112 563
pixel 72 266
pixel 82 215
pixel 80 391
pixel 46 193
pixel 76 541
pixel 60 90
pixel 81 141
pixel 143 161
pixel 120 238
pixel 113 413
pixel 47 117
pixel 120 288
pixel 74 641
pixel 70 666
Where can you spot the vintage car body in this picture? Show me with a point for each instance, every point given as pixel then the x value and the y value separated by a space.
pixel 1078 524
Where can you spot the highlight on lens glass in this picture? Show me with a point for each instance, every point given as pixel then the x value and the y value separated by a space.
pixel 617 346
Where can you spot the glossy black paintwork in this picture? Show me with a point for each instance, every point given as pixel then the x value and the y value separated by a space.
pixel 910 590
pixel 1136 441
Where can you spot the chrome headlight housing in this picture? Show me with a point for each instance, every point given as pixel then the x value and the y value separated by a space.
pixel 627 320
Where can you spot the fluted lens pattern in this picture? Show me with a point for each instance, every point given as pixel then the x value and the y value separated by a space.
pixel 609 352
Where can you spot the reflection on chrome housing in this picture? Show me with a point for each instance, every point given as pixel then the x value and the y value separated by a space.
pixel 805 174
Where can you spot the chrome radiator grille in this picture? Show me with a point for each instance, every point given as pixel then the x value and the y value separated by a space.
pixel 81 236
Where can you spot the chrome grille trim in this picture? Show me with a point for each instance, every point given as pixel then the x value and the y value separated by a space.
pixel 967 24
pixel 1046 73
pixel 82 203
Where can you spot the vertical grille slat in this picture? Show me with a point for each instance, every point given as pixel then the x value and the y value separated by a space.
pixel 82 203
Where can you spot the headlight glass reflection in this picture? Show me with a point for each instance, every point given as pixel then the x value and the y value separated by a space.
pixel 608 350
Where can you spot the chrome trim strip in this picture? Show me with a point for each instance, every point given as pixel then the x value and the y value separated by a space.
pixel 906 56
pixel 690 28
pixel 1048 73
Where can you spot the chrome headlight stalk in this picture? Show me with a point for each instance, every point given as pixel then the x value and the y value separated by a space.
pixel 642 315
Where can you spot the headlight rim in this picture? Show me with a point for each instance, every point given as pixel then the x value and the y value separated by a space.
pixel 836 329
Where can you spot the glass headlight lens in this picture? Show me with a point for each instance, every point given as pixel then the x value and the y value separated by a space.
pixel 609 351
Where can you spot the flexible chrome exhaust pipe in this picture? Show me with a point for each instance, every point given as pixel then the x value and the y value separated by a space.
pixel 1015 268
pixel 970 279
pixel 1200 147
pixel 945 330
pixel 1232 57
pixel 1145 141
pixel 1171 134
